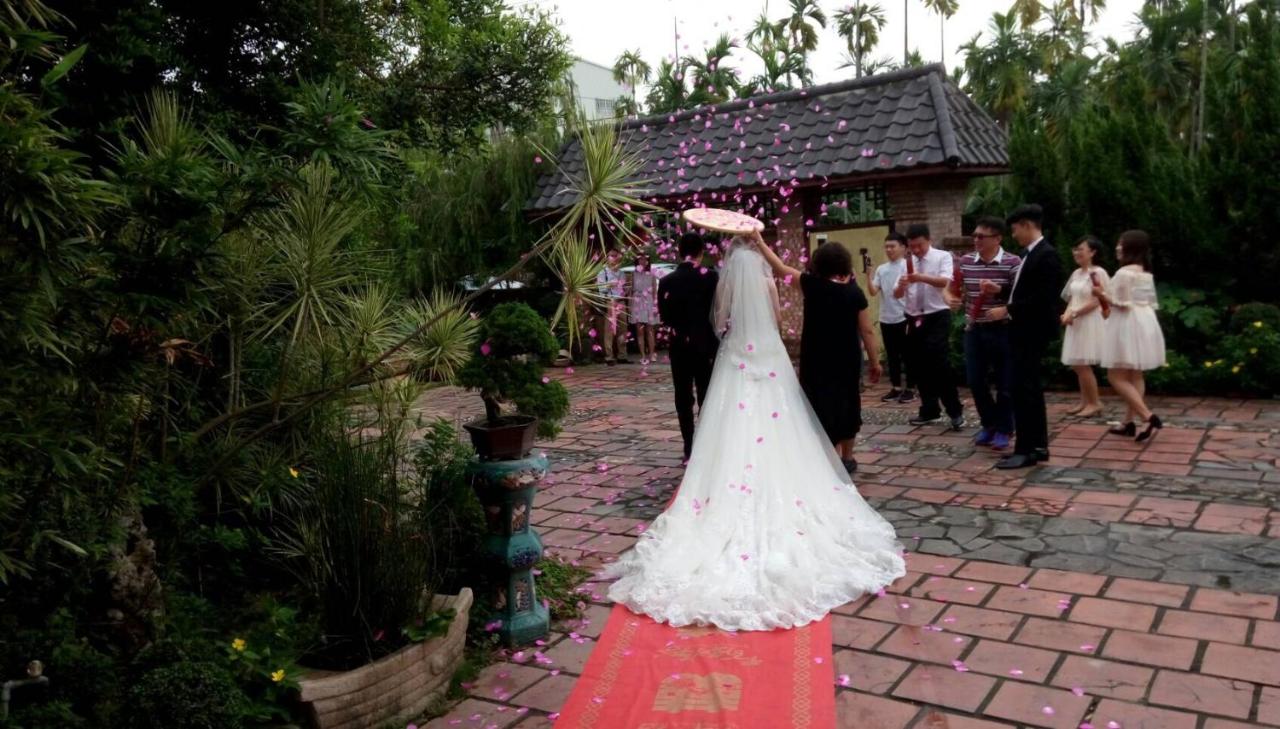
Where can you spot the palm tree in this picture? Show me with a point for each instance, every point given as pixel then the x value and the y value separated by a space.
pixel 1065 94
pixel 668 93
pixel 860 26
pixel 880 65
pixel 1088 10
pixel 803 36
pixel 945 9
pixel 779 64
pixel 1065 37
pixel 714 81
pixel 1000 72
pixel 763 34
pixel 1163 58
pixel 1028 11
pixel 631 69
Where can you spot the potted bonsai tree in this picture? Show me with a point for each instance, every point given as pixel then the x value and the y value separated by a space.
pixel 506 369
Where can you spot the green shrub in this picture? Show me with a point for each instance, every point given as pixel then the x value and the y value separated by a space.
pixel 1250 361
pixel 355 549
pixel 448 512
pixel 195 695
pixel 507 367
pixel 1255 311
pixel 1178 375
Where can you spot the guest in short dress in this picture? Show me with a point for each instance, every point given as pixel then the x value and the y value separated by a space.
pixel 1133 341
pixel 644 307
pixel 1082 343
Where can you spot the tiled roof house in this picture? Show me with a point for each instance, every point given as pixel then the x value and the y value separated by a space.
pixel 910 140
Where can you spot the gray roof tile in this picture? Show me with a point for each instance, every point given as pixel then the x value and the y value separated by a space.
pixel 905 120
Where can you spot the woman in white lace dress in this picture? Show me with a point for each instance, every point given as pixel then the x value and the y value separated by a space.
pixel 767 530
pixel 1083 340
pixel 1134 342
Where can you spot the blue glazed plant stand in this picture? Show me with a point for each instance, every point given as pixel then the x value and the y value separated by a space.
pixel 506 490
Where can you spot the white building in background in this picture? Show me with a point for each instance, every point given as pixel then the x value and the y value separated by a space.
pixel 596 91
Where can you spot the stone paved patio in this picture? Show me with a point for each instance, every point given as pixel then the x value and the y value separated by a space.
pixel 1117 586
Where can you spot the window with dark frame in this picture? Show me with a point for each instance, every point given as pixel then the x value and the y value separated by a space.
pixel 851 206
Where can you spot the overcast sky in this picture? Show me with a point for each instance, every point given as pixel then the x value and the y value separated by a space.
pixel 599 30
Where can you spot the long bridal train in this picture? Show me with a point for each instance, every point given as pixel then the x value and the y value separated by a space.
pixel 767 530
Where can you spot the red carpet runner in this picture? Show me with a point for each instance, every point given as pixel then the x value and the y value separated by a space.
pixel 646 675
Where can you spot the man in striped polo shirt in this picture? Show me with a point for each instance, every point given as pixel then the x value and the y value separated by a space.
pixel 984 280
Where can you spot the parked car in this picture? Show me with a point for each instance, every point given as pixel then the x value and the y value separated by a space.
pixel 659 269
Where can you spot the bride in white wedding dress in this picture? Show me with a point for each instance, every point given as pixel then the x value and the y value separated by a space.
pixel 767 530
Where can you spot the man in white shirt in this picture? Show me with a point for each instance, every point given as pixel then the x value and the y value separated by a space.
pixel 612 283
pixel 929 328
pixel 893 317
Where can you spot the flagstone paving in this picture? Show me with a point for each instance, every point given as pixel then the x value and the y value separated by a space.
pixel 1115 586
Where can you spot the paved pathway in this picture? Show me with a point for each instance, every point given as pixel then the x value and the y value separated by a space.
pixel 1116 586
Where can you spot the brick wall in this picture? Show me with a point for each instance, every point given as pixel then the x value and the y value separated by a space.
pixel 792 247
pixel 937 201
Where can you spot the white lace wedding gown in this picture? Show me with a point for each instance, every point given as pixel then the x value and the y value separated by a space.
pixel 767 530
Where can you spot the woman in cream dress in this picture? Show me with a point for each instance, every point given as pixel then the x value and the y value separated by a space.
pixel 1134 342
pixel 1082 343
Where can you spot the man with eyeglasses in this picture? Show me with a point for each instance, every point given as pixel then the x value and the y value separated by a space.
pixel 986 276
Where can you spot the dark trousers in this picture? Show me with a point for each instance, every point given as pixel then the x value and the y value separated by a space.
pixel 928 361
pixel 1028 392
pixel 690 373
pixel 895 350
pixel 988 365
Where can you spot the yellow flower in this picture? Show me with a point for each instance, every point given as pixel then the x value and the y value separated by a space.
pixel 1257 325
pixel 1208 364
pixel 1235 370
pixel 277 676
pixel 1253 350
pixel 238 644
pixel 293 471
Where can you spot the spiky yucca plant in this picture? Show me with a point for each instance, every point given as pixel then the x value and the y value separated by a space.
pixel 576 267
pixel 444 344
pixel 607 190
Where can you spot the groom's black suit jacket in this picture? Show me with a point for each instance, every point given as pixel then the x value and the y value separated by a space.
pixel 685 298
pixel 1035 304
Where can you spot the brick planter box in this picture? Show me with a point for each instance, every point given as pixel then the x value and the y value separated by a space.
pixel 397 688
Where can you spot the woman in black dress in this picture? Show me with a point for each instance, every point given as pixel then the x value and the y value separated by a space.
pixel 836 327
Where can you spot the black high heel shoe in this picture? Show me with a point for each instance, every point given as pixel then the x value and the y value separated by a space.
pixel 1153 425
pixel 1128 430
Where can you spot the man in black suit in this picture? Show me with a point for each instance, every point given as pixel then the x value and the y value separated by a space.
pixel 685 298
pixel 1033 311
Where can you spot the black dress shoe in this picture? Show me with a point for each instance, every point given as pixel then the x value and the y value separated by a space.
pixel 1128 430
pixel 1017 460
pixel 1040 454
pixel 850 465
pixel 893 395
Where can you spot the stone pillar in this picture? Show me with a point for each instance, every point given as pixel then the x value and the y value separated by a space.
pixel 935 201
